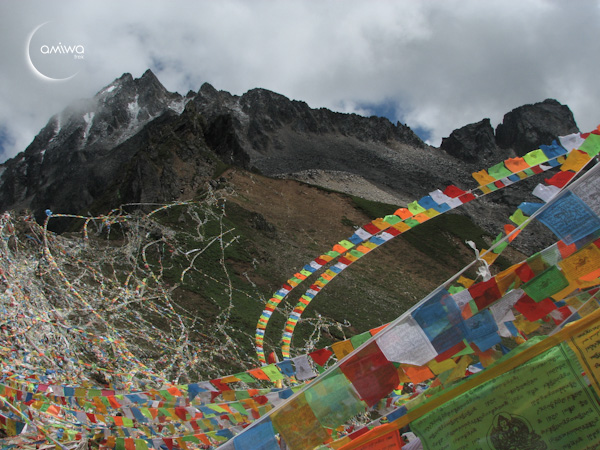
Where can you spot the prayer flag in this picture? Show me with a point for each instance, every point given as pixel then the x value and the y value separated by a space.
pixel 333 399
pixel 371 373
pixel 518 410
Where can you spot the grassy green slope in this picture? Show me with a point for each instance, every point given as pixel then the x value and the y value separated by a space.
pixel 274 227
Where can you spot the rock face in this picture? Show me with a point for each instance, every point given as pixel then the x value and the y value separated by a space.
pixel 268 132
pixel 135 142
pixel 522 130
pixel 525 128
pixel 80 152
pixel 474 143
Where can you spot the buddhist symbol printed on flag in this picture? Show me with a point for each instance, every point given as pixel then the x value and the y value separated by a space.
pixel 511 432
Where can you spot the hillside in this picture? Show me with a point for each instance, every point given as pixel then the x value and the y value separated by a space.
pixel 284 223
pixel 150 238
pixel 293 180
pixel 218 256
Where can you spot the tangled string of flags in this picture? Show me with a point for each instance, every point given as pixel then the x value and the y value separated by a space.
pixel 503 361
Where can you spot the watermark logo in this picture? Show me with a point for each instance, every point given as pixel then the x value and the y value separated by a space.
pixel 54 53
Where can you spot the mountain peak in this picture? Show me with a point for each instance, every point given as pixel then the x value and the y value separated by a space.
pixel 126 82
pixel 149 81
pixel 472 143
pixel 124 79
pixel 148 74
pixel 525 127
pixel 133 135
pixel 207 88
pixel 522 129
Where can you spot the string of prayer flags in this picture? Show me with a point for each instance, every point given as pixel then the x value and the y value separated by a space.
pixel 480 326
pixel 480 347
pixel 416 213
pixel 545 369
pixel 446 342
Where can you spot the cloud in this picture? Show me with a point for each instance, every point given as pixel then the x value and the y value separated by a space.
pixel 434 65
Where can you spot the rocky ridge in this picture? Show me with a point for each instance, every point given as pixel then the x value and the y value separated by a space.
pixel 523 129
pixel 135 142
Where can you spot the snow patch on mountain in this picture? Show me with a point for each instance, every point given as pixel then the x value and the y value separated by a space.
pixel 107 90
pixel 57 126
pixel 134 108
pixel 88 118
pixel 239 113
pixel 178 105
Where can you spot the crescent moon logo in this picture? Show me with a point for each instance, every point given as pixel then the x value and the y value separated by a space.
pixel 32 66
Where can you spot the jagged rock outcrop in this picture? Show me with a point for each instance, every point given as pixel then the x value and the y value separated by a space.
pixel 473 143
pixel 267 132
pixel 137 142
pixel 260 113
pixel 130 143
pixel 168 159
pixel 74 148
pixel 526 127
pixel 523 129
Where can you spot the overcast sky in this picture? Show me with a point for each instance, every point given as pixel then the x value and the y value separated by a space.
pixel 434 65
